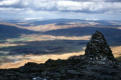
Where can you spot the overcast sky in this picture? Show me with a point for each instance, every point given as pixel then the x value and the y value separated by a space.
pixel 56 9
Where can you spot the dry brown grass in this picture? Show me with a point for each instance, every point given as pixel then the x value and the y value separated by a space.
pixel 39 59
pixel 43 58
pixel 9 44
pixel 36 37
pixel 10 24
pixel 116 51
pixel 49 27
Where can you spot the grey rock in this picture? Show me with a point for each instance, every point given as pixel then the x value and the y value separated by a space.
pixel 74 72
pixel 38 78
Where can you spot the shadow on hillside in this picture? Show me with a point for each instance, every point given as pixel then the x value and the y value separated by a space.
pixel 46 47
pixel 111 34
pixel 53 21
pixel 57 46
pixel 7 32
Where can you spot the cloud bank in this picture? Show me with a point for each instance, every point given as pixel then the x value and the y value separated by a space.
pixel 26 8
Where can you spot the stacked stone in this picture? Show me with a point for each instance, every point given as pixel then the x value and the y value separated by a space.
pixel 98 51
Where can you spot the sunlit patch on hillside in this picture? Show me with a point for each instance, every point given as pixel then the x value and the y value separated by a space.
pixel 37 59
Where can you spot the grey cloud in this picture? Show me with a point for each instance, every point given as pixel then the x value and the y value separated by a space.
pixel 88 6
pixel 97 0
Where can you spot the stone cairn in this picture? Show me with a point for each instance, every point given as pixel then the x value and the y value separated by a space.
pixel 98 51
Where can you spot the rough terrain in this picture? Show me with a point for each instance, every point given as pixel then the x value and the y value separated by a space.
pixel 98 63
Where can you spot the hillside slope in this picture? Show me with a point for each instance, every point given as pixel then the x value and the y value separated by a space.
pixel 98 63
pixel 8 31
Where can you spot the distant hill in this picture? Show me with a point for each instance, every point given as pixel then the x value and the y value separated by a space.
pixel 60 22
pixel 7 31
pixel 112 34
pixel 45 22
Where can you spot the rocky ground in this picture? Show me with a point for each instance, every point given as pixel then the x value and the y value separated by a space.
pixel 98 63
